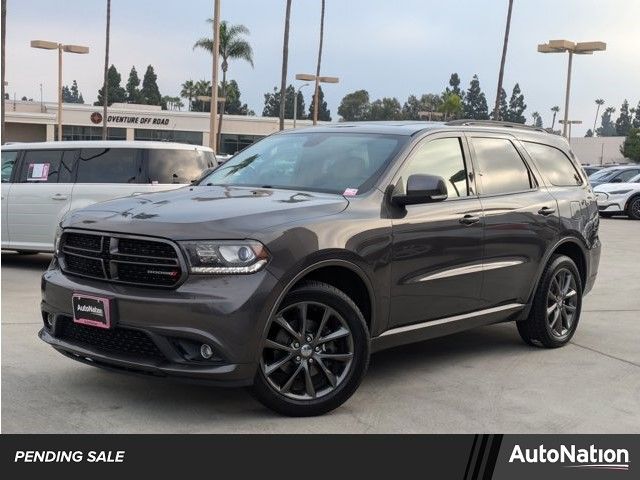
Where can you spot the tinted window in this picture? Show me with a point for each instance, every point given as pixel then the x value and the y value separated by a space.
pixel 442 157
pixel 108 165
pixel 501 168
pixel 66 166
pixel 626 175
pixel 335 162
pixel 604 174
pixel 41 166
pixel 8 162
pixel 554 164
pixel 175 166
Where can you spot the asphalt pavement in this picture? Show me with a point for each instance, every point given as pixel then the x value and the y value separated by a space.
pixel 484 380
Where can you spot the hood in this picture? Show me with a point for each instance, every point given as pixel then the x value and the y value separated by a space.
pixel 202 212
pixel 614 187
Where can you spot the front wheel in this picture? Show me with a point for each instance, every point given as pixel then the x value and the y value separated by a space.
pixel 315 353
pixel 556 305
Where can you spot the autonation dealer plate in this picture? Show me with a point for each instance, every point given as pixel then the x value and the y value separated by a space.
pixel 92 310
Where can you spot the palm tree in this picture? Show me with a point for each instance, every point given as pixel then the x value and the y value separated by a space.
pixel 555 111
pixel 188 89
pixel 202 88
pixel 535 116
pixel 232 47
pixel 285 61
pixel 315 95
pixel 599 102
pixel 105 84
pixel 496 108
pixel 4 36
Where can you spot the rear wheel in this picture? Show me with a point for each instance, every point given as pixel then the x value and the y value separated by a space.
pixel 556 306
pixel 315 353
pixel 633 208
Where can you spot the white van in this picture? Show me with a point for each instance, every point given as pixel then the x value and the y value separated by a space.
pixel 41 182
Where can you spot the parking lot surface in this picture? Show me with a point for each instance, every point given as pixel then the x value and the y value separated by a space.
pixel 483 380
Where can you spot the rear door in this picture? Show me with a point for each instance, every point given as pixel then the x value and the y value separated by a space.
pixel 521 218
pixel 437 247
pixel 105 174
pixel 9 165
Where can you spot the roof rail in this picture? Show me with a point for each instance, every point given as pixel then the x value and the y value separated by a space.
pixel 494 123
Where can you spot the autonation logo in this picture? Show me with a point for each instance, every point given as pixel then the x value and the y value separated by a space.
pixel 574 457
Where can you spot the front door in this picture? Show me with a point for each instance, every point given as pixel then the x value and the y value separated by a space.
pixel 437 247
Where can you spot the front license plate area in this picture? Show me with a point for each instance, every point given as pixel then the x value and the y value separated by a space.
pixel 92 310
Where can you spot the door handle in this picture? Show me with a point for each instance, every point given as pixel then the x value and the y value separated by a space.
pixel 546 211
pixel 59 196
pixel 469 219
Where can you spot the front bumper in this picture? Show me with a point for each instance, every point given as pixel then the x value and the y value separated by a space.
pixel 225 312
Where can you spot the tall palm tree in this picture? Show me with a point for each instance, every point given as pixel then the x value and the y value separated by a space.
pixel 202 88
pixel 233 46
pixel 555 111
pixel 496 108
pixel 285 61
pixel 105 85
pixel 4 36
pixel 315 95
pixel 188 91
pixel 535 116
pixel 599 102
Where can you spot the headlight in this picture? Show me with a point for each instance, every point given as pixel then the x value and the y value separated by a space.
pixel 225 257
pixel 620 192
pixel 56 240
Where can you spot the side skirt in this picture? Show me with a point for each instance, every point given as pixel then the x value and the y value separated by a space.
pixel 445 326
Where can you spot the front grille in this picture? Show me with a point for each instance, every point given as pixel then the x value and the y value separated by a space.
pixel 121 341
pixel 120 259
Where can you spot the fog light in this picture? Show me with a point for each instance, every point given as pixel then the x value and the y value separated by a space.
pixel 206 351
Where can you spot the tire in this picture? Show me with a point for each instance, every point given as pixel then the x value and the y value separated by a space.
pixel 556 308
pixel 334 368
pixel 633 208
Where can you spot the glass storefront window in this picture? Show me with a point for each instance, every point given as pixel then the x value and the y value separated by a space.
pixel 232 144
pixel 77 132
pixel 180 136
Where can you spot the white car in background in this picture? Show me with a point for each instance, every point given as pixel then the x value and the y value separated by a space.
pixel 619 198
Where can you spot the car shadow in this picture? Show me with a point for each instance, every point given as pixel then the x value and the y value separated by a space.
pixel 37 261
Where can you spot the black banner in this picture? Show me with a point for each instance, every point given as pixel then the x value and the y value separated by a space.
pixel 466 457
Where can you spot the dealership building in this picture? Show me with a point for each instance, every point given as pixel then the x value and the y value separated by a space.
pixel 37 122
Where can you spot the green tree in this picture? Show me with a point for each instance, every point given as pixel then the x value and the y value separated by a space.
pixel 133 92
pixel 324 114
pixel 454 85
pixel 516 106
pixel 636 118
pixel 623 122
pixel 555 111
pixel 150 93
pixel 202 88
pixel 71 94
pixel 537 120
pixel 116 93
pixel 272 103
pixel 385 109
pixel 503 107
pixel 599 103
pixel 631 146
pixel 413 107
pixel 607 128
pixel 475 101
pixel 232 46
pixel 451 106
pixel 172 103
pixel 355 106
pixel 233 105
pixel 589 133
pixel 188 91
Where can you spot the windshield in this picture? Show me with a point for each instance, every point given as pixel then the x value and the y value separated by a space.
pixel 603 174
pixel 335 162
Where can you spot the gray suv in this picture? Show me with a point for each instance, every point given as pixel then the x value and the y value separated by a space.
pixel 286 267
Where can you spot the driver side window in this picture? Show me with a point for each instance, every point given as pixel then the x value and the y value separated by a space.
pixel 442 157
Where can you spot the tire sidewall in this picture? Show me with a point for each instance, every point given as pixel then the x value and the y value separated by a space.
pixel 630 212
pixel 319 293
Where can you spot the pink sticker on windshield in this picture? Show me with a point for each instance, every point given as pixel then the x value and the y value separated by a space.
pixel 350 192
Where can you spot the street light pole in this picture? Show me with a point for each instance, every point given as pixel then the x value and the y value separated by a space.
pixel 46 45
pixel 105 84
pixel 295 104
pixel 308 77
pixel 213 120
pixel 581 48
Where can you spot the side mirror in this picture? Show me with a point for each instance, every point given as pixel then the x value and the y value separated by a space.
pixel 423 189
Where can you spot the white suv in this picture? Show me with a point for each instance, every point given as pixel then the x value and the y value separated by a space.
pixel 619 198
pixel 41 182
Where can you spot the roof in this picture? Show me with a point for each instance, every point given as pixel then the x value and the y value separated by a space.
pixel 389 127
pixel 103 144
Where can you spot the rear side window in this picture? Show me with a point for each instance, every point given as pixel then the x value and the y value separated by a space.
pixel 554 165
pixel 442 157
pixel 175 166
pixel 41 166
pixel 108 165
pixel 501 168
pixel 626 175
pixel 8 164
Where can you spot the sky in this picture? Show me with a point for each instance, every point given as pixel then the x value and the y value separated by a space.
pixel 390 48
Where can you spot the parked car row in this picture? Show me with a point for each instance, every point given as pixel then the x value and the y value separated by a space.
pixel 617 189
pixel 41 182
